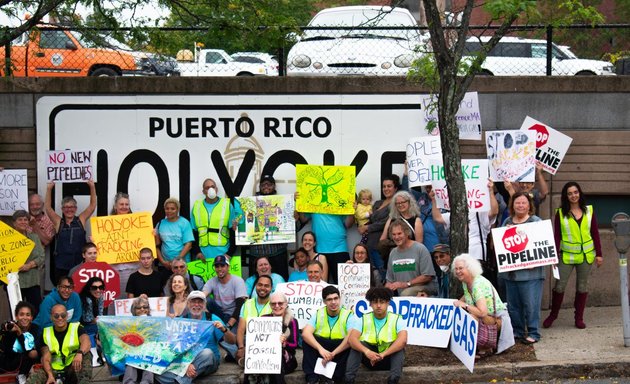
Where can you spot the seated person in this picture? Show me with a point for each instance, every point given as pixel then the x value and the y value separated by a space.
pixel 92 303
pixel 63 294
pixel 139 307
pixel 179 267
pixel 314 270
pixel 262 268
pixel 298 263
pixel 442 257
pixel 17 345
pixel 254 307
pixel 145 280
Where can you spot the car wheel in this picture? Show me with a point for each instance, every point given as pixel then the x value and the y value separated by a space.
pixel 245 74
pixel 585 73
pixel 101 72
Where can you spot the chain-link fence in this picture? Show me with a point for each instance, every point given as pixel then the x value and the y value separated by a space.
pixel 314 51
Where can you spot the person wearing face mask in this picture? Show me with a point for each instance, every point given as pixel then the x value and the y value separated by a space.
pixel 214 220
pixel 442 257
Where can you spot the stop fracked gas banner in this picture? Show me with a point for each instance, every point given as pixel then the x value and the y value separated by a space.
pixel 524 246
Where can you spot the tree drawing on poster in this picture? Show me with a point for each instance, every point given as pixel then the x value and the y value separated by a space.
pixel 511 155
pixel 420 151
pixel 551 145
pixel 268 220
pixel 325 189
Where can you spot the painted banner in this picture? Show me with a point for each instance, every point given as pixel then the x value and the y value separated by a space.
pixel 511 155
pixel 464 338
pixel 120 238
pixel 205 269
pixel 263 350
pixel 154 344
pixel 14 250
pixel 420 151
pixel 69 165
pixel 551 145
pixel 304 298
pixel 158 306
pixel 468 118
pixel 428 321
pixel 476 179
pixel 325 189
pixel 268 220
pixel 354 282
pixel 524 246
pixel 13 191
pixel 104 271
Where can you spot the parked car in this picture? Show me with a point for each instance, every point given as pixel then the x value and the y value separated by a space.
pixel 363 45
pixel 515 56
pixel 269 61
pixel 215 62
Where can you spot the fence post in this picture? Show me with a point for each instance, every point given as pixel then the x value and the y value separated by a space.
pixel 282 67
pixel 549 49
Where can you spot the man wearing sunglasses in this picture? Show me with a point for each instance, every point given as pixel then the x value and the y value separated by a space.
pixel 65 351
pixel 63 294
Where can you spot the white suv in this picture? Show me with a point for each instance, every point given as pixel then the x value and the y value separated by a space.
pixel 515 56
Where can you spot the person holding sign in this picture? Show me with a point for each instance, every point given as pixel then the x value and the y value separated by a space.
pixel 29 271
pixel 326 337
pixel 254 307
pixel 173 235
pixel 577 240
pixel 361 255
pixel 378 339
pixel 122 206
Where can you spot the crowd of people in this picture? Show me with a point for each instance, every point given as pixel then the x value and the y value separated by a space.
pixel 404 239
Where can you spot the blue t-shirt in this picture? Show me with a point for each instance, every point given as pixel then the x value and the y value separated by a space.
pixel 217 335
pixel 298 276
pixel 209 251
pixel 174 235
pixel 354 322
pixel 330 231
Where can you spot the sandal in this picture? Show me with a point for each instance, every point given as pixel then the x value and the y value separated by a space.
pixel 528 341
pixel 484 353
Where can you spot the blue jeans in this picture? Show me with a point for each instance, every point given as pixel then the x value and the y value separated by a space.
pixel 205 363
pixel 524 299
pixel 377 261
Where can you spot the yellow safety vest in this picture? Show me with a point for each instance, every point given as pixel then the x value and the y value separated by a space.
pixel 577 241
pixel 385 337
pixel 213 228
pixel 322 326
pixel 68 349
pixel 250 309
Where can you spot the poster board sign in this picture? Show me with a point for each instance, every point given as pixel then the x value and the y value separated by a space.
pixel 420 151
pixel 69 165
pixel 263 350
pixel 524 246
pixel 104 271
pixel 468 118
pixel 354 282
pixel 464 337
pixel 119 238
pixel 551 145
pixel 476 179
pixel 268 220
pixel 14 250
pixel 13 191
pixel 158 305
pixel 205 269
pixel 512 155
pixel 325 189
pixel 428 321
pixel 304 298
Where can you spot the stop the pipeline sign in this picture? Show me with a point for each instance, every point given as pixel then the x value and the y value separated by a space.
pixel 105 272
pixel 542 134
pixel 514 241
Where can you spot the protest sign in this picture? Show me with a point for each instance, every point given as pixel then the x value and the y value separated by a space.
pixel 158 305
pixel 428 321
pixel 354 282
pixel 104 271
pixel 119 238
pixel 154 344
pixel 14 250
pixel 551 145
pixel 13 292
pixel 304 298
pixel 524 246
pixel 325 189
pixel 464 338
pixel 268 220
pixel 263 351
pixel 476 179
pixel 69 165
pixel 511 155
pixel 420 151
pixel 13 191
pixel 468 118
pixel 205 269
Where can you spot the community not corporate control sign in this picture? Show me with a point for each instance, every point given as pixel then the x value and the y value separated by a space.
pixel 524 246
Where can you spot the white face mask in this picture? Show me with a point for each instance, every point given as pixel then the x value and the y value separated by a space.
pixel 444 268
pixel 212 193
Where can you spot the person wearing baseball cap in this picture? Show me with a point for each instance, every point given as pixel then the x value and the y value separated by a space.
pixel 442 256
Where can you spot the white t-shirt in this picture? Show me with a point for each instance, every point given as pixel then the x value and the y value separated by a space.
pixel 476 247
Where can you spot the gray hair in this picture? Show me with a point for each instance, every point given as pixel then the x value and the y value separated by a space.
pixel 138 301
pixel 470 263
pixel 414 210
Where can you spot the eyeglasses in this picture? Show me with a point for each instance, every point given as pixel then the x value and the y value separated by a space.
pixel 277 304
pixel 60 315
pixel 178 266
pixel 402 202
pixel 142 307
pixel 97 288
pixel 66 287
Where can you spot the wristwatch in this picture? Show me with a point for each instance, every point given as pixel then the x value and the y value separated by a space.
pixel 409 284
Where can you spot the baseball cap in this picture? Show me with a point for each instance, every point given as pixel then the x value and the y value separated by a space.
pixel 268 178
pixel 196 295
pixel 221 260
pixel 441 248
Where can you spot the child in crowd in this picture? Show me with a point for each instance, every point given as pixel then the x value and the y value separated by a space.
pixel 363 210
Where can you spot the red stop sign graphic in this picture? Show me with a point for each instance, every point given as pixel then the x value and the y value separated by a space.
pixel 542 134
pixel 105 272
pixel 514 241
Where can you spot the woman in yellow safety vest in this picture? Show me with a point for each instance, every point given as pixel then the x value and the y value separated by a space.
pixel 578 244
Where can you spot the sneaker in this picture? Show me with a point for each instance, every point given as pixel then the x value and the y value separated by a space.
pixel 20 379
pixel 241 362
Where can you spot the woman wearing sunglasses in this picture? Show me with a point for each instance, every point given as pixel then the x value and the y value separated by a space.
pixel 92 303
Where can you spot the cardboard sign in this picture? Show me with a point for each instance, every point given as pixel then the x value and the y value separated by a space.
pixel 354 282
pixel 476 179
pixel 304 298
pixel 512 155
pixel 468 118
pixel 104 271
pixel 524 246
pixel 551 145
pixel 325 189
pixel 420 151
pixel 464 338
pixel 158 305
pixel 69 165
pixel 205 269
pixel 13 191
pixel 268 220
pixel 14 250
pixel 428 321
pixel 263 350
pixel 119 238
